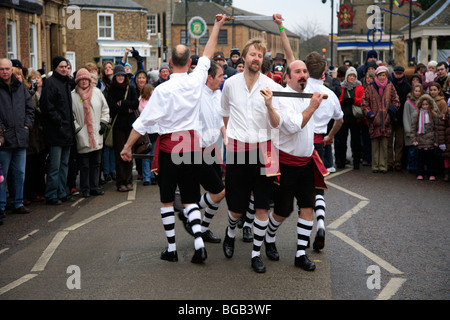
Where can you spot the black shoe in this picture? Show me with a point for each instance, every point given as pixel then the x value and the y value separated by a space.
pixel 199 256
pixel 271 251
pixel 21 210
pixel 153 181
pixel 228 245
pixel 108 177
pixel 85 194
pixel 257 265
pixel 67 199
pixel 186 223
pixel 97 192
pixel 53 202
pixel 146 183
pixel 247 234
pixel 241 221
pixel 171 256
pixel 319 241
pixel 209 237
pixel 304 263
pixel 113 176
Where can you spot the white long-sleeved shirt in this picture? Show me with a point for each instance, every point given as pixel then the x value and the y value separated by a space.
pixel 175 104
pixel 329 108
pixel 211 121
pixel 248 116
pixel 293 139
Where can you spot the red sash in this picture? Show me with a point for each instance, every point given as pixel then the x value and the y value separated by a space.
pixel 319 168
pixel 268 151
pixel 318 138
pixel 216 149
pixel 176 142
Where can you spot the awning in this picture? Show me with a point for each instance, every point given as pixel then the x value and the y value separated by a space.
pixel 113 48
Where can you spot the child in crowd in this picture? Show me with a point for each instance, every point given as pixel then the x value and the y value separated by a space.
pixel 444 140
pixel 146 92
pixel 409 112
pixel 436 93
pixel 424 136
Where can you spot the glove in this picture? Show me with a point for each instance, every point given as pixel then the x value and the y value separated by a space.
pixel 102 128
pixel 442 147
pixel 136 55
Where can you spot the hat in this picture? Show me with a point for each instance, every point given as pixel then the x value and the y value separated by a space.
pixel 82 74
pixel 399 69
pixel 432 63
pixel 119 69
pixel 347 63
pixel 194 59
pixel 218 55
pixel 16 63
pixel 279 56
pixel 164 66
pixel 372 54
pixel 56 61
pixel 381 69
pixel 235 51
pixel 128 65
pixel 372 64
pixel 350 70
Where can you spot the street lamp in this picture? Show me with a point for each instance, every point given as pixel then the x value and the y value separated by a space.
pixel 332 35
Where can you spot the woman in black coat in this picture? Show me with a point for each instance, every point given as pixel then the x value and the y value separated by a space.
pixel 122 100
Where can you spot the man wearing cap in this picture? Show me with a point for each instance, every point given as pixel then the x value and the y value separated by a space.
pixel 395 143
pixel 175 107
pixel 164 73
pixel 372 55
pixel 59 130
pixel 228 71
pixel 16 122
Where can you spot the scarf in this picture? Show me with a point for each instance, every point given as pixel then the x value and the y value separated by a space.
pixel 350 85
pixel 381 86
pixel 86 95
pixel 424 118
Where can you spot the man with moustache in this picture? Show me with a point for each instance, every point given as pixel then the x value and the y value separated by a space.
pixel 249 115
pixel 298 164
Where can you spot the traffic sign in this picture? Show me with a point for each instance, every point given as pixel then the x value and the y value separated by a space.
pixel 197 27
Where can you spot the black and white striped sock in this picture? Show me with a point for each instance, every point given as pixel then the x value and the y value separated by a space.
pixel 250 214
pixel 259 230
pixel 320 211
pixel 168 220
pixel 272 229
pixel 210 210
pixel 304 228
pixel 232 222
pixel 194 217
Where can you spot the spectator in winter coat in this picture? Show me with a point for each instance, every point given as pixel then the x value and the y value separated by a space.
pixel 380 103
pixel 16 122
pixel 59 132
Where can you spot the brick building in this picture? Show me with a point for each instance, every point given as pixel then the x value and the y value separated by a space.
pixel 32 31
pixel 100 30
pixel 233 34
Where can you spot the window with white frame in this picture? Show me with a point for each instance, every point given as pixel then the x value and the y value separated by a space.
pixel 151 24
pixel 11 39
pixel 105 26
pixel 33 47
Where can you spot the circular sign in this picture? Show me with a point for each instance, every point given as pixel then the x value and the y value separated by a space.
pixel 197 27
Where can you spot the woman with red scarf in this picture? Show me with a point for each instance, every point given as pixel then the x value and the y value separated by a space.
pixel 380 104
pixel 91 114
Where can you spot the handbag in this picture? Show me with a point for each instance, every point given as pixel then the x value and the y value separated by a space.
pixel 143 145
pixel 356 110
pixel 109 134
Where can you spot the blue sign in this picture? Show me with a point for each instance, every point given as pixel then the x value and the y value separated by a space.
pixel 374 31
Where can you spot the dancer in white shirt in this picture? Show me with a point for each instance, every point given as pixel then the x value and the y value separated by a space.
pixel 249 115
pixel 175 106
pixel 300 165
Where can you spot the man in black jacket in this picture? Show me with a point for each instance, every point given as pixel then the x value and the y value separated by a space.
pixel 16 122
pixel 395 144
pixel 56 106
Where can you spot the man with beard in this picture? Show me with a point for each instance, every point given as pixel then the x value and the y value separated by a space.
pixel 298 160
pixel 249 115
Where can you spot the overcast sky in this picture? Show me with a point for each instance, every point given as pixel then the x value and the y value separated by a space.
pixel 295 12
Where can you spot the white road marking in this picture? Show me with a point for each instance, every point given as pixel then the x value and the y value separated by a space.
pixel 342 219
pixel 391 288
pixel 56 217
pixel 132 193
pixel 48 252
pixel 387 266
pixel 28 235
pixel 17 283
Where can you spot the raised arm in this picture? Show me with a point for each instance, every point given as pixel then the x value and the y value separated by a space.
pixel 210 46
pixel 277 18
